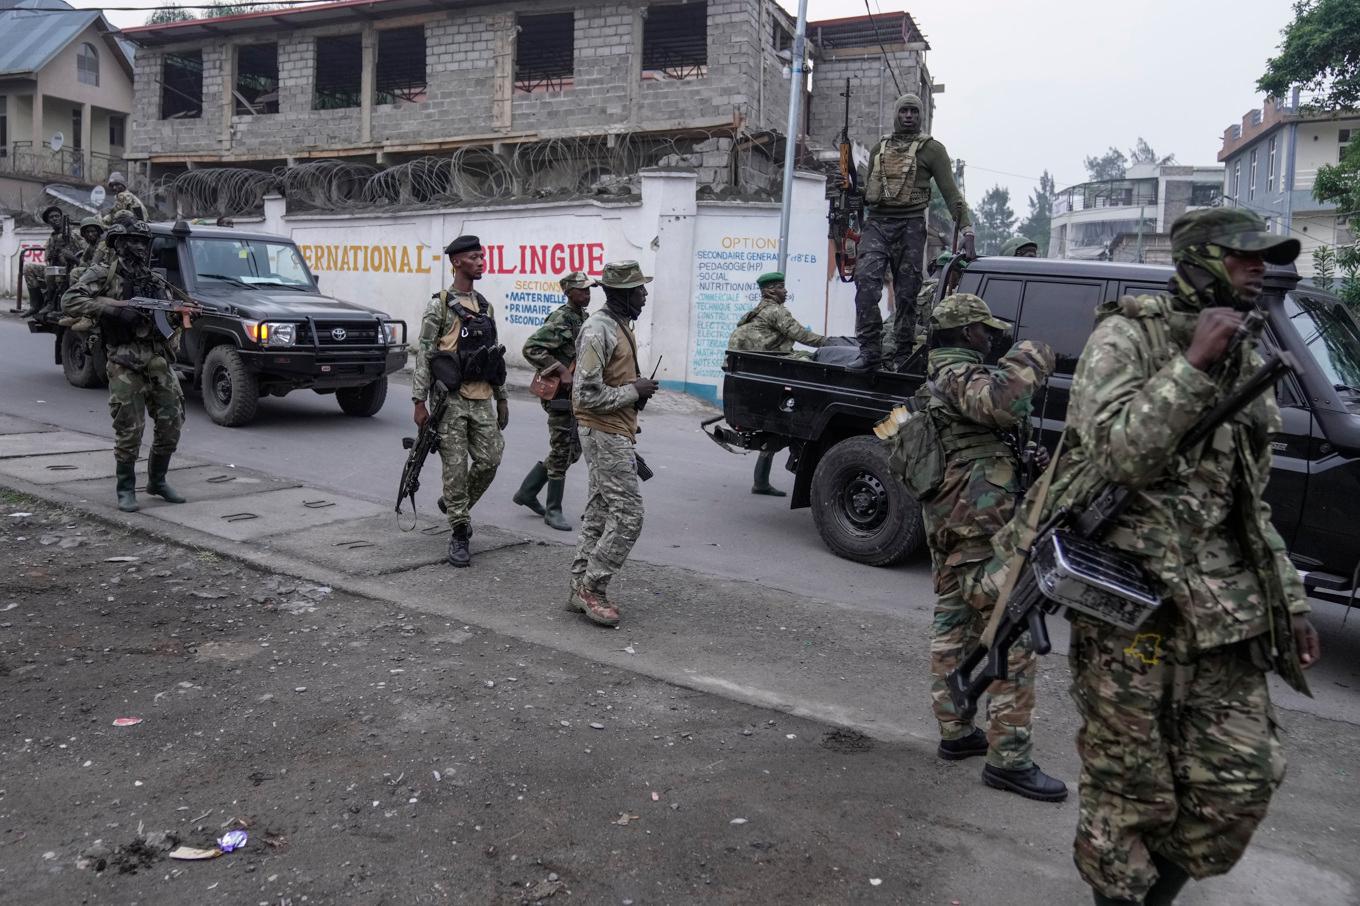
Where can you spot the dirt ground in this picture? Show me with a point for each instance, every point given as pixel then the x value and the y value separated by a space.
pixel 375 755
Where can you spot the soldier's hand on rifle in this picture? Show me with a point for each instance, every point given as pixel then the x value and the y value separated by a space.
pixel 422 415
pixel 645 387
pixel 969 245
pixel 129 316
pixel 1213 336
pixel 1307 641
pixel 502 413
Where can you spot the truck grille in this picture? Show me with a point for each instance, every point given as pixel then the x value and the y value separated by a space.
pixel 346 333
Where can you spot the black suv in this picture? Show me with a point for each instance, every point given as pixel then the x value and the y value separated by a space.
pixel 824 413
pixel 267 329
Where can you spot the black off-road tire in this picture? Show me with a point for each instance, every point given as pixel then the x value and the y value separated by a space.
pixel 231 393
pixel 82 360
pixel 365 401
pixel 862 511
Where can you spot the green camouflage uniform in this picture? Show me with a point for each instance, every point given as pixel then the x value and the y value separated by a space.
pixel 1178 741
pixel 87 255
pixel 470 440
pixel 554 343
pixel 126 201
pixel 140 362
pixel 60 251
pixel 613 518
pixel 972 405
pixel 771 327
pixel 924 298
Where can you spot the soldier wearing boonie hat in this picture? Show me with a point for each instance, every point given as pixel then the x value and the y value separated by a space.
pixel 552 350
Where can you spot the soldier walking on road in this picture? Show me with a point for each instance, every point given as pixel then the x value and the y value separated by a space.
pixel 973 408
pixel 897 193
pixel 63 249
pixel 461 322
pixel 771 328
pixel 552 350
pixel 1178 742
pixel 123 200
pixel 141 371
pixel 608 390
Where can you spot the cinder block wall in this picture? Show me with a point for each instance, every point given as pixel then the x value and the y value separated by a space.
pixel 873 93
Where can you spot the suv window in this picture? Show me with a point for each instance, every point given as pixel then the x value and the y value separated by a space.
pixel 1061 314
pixel 165 254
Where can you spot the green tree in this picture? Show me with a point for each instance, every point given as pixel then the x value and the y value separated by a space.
pixel 1142 153
pixel 1110 165
pixel 995 221
pixel 166 14
pixel 1039 222
pixel 222 8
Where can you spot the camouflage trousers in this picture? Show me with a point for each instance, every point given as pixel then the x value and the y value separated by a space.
pixel 35 282
pixel 133 392
pixel 564 444
pixel 470 447
pixel 961 613
pixel 1179 753
pixel 613 518
pixel 893 245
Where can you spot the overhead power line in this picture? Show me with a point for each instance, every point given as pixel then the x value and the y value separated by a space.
pixel 873 23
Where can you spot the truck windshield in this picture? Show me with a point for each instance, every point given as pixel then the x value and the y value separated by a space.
pixel 1331 336
pixel 255 262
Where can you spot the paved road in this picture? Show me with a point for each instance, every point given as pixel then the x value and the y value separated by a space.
pixel 700 514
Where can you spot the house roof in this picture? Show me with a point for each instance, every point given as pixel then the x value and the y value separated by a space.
pixel 268 21
pixel 38 30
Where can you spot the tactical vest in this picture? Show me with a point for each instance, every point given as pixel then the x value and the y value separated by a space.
pixel 892 181
pixel 622 368
pixel 476 351
pixel 965 441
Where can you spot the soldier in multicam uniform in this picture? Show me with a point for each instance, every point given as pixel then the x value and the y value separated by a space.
pixel 123 200
pixel 771 328
pixel 63 249
pixel 92 232
pixel 925 300
pixel 140 361
pixel 1020 247
pixel 470 438
pixel 897 193
pixel 552 350
pixel 606 395
pixel 1178 743
pixel 973 407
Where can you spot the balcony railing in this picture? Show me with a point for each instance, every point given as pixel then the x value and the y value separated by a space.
pixel 73 164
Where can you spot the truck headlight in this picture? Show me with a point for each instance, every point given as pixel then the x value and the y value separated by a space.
pixel 276 334
pixel 394 333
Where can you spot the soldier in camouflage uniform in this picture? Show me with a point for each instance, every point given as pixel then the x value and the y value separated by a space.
pixel 925 301
pixel 92 232
pixel 897 193
pixel 771 328
pixel 1020 247
pixel 552 350
pixel 470 438
pixel 975 408
pixel 1178 742
pixel 141 372
pixel 63 249
pixel 608 391
pixel 123 200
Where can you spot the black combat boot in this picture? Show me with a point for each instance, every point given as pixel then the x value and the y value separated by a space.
pixel 1170 879
pixel 156 467
pixel 553 514
pixel 761 484
pixel 969 746
pixel 1029 782
pixel 459 555
pixel 527 495
pixel 35 305
pixel 868 359
pixel 127 486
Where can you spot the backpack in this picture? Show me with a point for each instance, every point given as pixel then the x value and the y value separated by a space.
pixel 915 450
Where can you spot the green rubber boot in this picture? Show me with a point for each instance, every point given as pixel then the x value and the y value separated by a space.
pixel 553 515
pixel 156 467
pixel 127 486
pixel 527 495
pixel 762 485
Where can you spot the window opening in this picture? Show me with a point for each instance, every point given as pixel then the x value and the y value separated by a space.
pixel 1204 195
pixel 339 72
pixel 1251 177
pixel 182 85
pixel 401 65
pixel 257 79
pixel 117 131
pixel 675 41
pixel 77 128
pixel 1270 167
pixel 545 50
pixel 4 127
pixel 87 65
pixel 782 39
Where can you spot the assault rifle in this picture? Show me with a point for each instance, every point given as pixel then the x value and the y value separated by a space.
pixel 421 446
pixel 847 202
pixel 1066 566
pixel 160 310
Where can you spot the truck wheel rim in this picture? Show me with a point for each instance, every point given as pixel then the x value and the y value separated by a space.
pixel 221 385
pixel 864 503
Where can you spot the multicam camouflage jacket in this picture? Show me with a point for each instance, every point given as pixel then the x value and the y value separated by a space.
pixel 554 343
pixel 771 327
pixel 63 250
pixel 975 405
pixel 126 201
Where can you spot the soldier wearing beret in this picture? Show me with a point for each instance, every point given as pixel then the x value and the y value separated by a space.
pixel 552 350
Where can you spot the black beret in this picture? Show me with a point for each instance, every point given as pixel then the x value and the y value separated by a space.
pixel 462 244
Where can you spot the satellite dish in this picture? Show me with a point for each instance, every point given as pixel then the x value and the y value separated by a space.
pixel 97 196
pixel 56 142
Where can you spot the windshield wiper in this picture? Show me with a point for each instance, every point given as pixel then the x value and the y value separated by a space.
pixel 1346 388
pixel 226 279
pixel 293 286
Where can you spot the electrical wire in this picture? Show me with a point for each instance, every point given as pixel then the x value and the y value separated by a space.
pixel 245 4
pixel 887 62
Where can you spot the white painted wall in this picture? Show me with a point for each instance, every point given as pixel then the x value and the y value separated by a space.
pixel 1318 145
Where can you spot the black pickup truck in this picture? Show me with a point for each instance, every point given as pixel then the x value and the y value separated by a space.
pixel 267 329
pixel 824 413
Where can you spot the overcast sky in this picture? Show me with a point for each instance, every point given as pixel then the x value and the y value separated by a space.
pixel 1043 83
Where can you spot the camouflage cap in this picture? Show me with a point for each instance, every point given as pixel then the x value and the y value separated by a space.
pixel 962 309
pixel 92 222
pixel 576 280
pixel 623 275
pixel 772 277
pixel 1233 229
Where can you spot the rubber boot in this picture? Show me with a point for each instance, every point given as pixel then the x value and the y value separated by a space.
pixel 127 486
pixel 1170 879
pixel 459 555
pixel 527 495
pixel 761 485
pixel 156 467
pixel 553 514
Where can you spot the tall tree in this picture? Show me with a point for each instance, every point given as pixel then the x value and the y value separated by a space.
pixel 1110 165
pixel 171 13
pixel 1039 222
pixel 995 220
pixel 1142 153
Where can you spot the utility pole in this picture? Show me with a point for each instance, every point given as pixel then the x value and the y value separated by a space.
pixel 791 133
